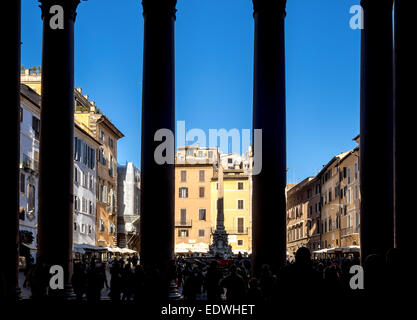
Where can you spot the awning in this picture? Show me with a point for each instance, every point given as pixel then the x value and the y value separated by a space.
pixel 183 247
pixel 84 246
pixel 30 246
pixel 321 251
pixel 127 251
pixel 349 249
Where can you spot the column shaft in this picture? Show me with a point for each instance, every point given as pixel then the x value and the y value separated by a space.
pixel 405 69
pixel 10 163
pixel 158 112
pixel 269 205
pixel 55 223
pixel 376 128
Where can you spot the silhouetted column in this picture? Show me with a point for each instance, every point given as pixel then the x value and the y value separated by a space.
pixel 269 206
pixel 10 162
pixel 158 112
pixel 376 129
pixel 405 66
pixel 55 222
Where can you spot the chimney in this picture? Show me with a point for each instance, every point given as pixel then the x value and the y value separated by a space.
pixel 92 107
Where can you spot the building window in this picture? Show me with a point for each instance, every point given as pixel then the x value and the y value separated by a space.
pixel 183 176
pixel 83 228
pixel 201 192
pixel 102 228
pixel 240 225
pixel 210 154
pixel 31 198
pixel 90 182
pixel 240 243
pixel 201 233
pixel 22 182
pixel 75 226
pixel 183 192
pixel 182 233
pixel 348 197
pixel 84 205
pixel 102 135
pixel 240 204
pixel 201 175
pixel 76 175
pixel 356 171
pixel 90 229
pixel 202 214
pixel 348 175
pixel 240 185
pixel 356 192
pixel 90 207
pixel 21 114
pixel 36 126
pixel 111 228
pixel 183 216
pixel 111 143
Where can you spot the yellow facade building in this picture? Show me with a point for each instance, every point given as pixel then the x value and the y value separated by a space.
pixel 237 208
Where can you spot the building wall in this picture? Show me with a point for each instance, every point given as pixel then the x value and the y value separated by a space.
pixel 128 206
pixel 198 229
pixel 331 209
pixel 350 200
pixel 29 162
pixel 85 181
pixel 240 240
pixel 89 116
pixel 297 216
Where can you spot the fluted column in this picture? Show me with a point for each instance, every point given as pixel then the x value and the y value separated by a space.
pixel 158 112
pixel 269 206
pixel 376 128
pixel 55 220
pixel 10 163
pixel 405 66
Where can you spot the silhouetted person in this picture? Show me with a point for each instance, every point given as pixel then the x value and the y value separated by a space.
pixel 139 284
pixel 39 279
pixel 398 274
pixel 332 282
pixel 79 281
pixel 212 282
pixel 192 285
pixel 115 282
pixel 300 276
pixel 127 282
pixel 267 282
pixel 94 283
pixel 235 286
pixel 254 292
pixel 375 275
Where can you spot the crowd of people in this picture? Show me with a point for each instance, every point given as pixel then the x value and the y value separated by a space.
pixel 221 280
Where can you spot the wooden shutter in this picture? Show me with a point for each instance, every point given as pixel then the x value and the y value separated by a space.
pixel 183 219
pixel 240 225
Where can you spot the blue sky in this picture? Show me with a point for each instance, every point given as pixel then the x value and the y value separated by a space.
pixel 214 70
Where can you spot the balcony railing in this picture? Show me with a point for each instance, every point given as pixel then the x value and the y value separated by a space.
pixel 238 231
pixel 184 223
pixel 29 164
pixel 349 231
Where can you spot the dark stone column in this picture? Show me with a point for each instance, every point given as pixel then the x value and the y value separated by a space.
pixel 158 112
pixel 405 67
pixel 55 222
pixel 376 129
pixel 10 163
pixel 269 205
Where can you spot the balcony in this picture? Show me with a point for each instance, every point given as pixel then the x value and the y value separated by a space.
pixel 243 231
pixel 349 231
pixel 29 164
pixel 183 224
